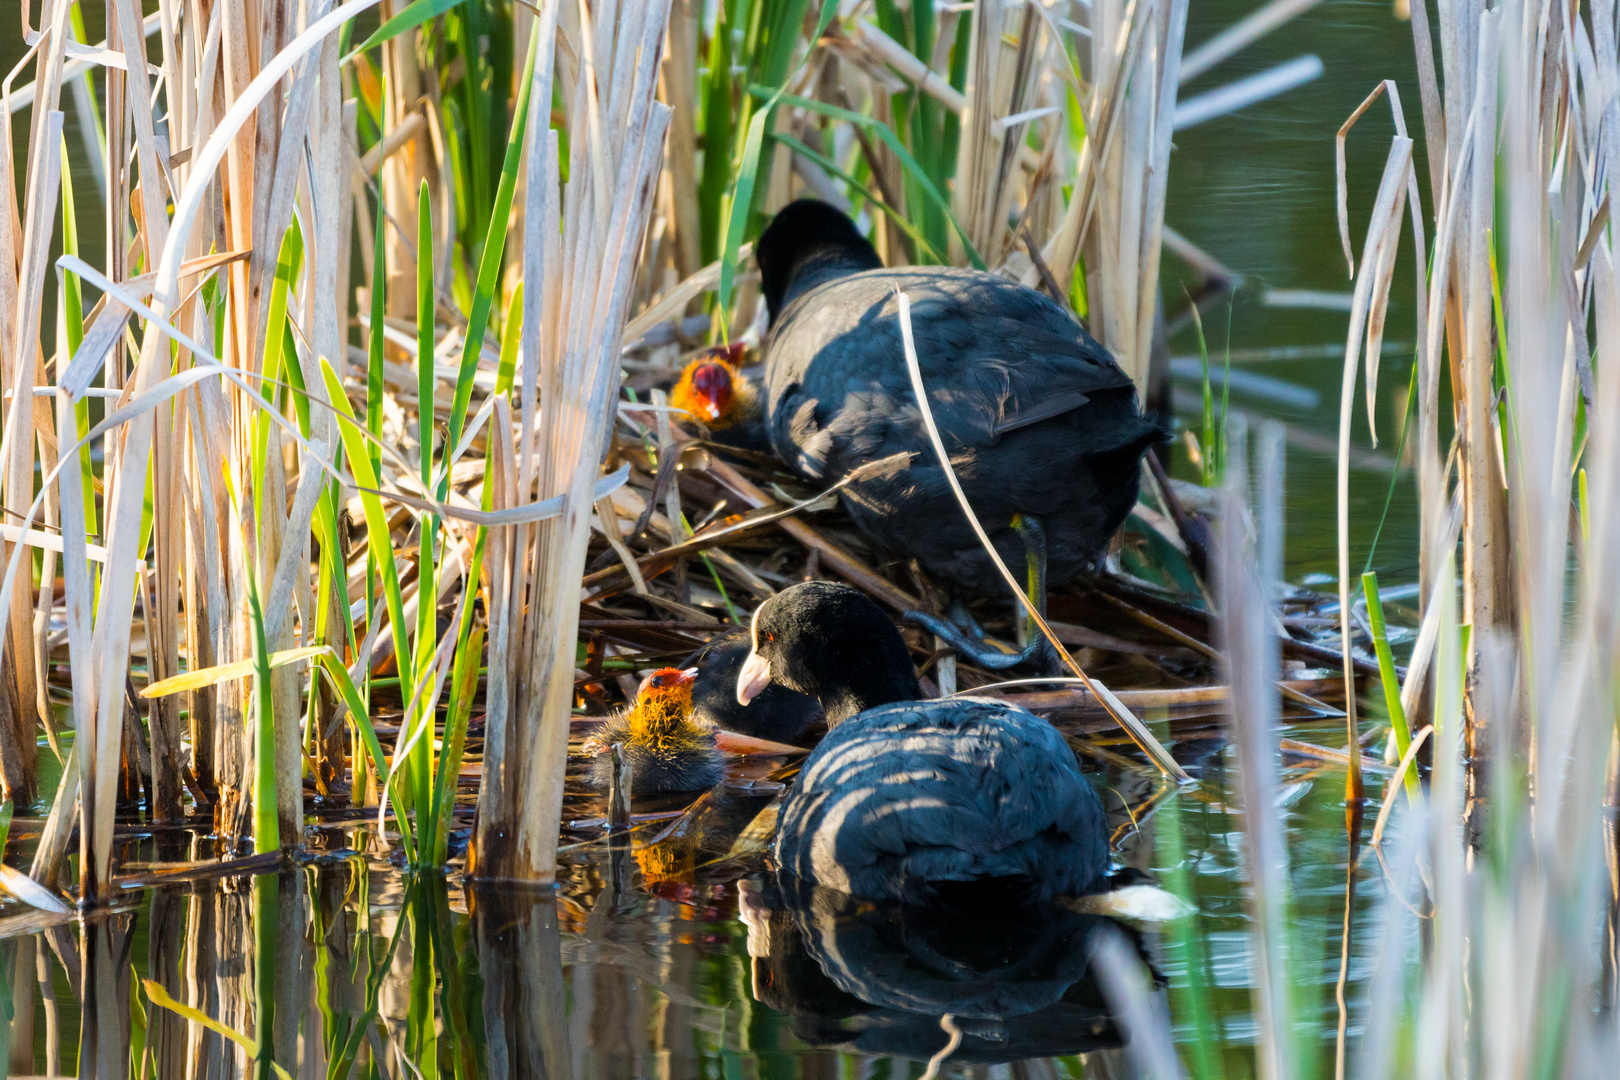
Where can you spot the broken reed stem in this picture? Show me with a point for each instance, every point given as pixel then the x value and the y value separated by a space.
pixel 1127 720
pixel 1377 263
pixel 620 784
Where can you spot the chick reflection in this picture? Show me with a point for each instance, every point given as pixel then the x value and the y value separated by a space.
pixel 878 977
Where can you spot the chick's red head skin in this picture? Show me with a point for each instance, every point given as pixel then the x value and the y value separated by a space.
pixel 713 390
pixel 663 703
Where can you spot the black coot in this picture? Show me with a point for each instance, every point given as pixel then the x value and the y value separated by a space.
pixel 1039 420
pixel 777 713
pixel 914 800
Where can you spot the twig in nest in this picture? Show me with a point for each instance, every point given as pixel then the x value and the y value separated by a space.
pixel 1126 719
pixel 832 555
pixel 1042 269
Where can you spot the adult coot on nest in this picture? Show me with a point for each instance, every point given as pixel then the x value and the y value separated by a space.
pixel 915 800
pixel 1042 426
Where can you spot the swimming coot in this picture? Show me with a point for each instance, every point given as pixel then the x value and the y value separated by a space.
pixel 666 748
pixel 1038 419
pixel 776 713
pixel 915 800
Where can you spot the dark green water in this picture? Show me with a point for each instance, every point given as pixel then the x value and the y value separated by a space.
pixel 649 960
pixel 1256 190
pixel 640 963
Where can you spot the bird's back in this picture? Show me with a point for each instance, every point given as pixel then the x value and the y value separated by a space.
pixel 906 799
pixel 1036 415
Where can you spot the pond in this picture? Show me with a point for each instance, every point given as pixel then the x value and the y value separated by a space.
pixel 657 956
pixel 668 959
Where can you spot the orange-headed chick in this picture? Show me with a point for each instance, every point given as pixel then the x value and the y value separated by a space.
pixel 666 748
pixel 714 391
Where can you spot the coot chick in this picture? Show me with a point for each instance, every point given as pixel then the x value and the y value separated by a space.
pixel 910 800
pixel 777 713
pixel 666 748
pixel 714 391
pixel 1039 420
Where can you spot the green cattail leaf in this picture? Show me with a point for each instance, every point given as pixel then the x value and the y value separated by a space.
pixel 1386 675
pixel 489 268
pixel 414 15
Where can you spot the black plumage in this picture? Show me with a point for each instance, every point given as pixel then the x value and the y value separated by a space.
pixel 1037 417
pixel 914 800
pixel 877 976
pixel 903 799
pixel 778 714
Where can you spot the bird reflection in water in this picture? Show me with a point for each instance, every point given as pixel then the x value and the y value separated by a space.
pixel 890 979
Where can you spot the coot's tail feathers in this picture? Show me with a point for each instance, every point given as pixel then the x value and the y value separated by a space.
pixel 909 798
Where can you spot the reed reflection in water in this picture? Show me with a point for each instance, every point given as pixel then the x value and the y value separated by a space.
pixel 347 967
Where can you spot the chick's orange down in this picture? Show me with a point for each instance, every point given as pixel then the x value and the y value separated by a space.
pixel 666 748
pixel 713 390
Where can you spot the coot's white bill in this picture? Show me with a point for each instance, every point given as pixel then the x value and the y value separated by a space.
pixel 754 677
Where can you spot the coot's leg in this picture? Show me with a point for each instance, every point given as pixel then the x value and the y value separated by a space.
pixel 963 634
pixel 1033 534
pixel 959 614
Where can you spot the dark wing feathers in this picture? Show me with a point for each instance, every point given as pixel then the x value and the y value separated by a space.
pixel 982 370
pixel 1036 415
pixel 1054 405
pixel 902 798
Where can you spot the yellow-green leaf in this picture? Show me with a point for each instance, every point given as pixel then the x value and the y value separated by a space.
pixel 160 997
pixel 239 669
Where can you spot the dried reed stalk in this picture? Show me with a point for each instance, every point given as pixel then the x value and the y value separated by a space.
pixel 1115 215
pixel 21 369
pixel 1006 56
pixel 1244 570
pixel 1397 191
pixel 580 258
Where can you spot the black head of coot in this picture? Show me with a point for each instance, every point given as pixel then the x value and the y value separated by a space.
pixel 830 642
pixel 777 713
pixel 807 232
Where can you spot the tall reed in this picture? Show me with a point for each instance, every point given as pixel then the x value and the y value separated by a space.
pixel 259 462
pixel 580 252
